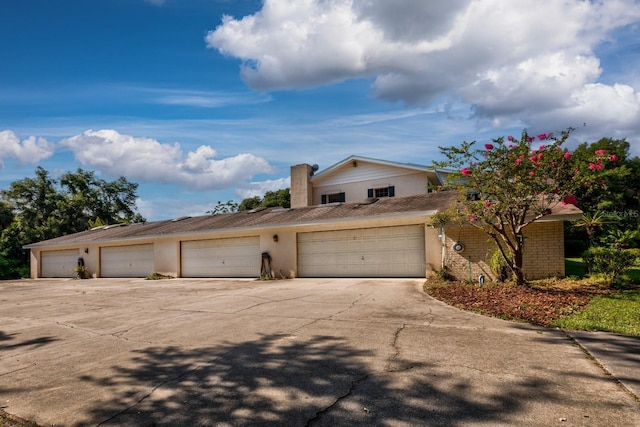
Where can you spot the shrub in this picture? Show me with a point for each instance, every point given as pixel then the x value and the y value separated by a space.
pixel 82 272
pixel 158 276
pixel 12 269
pixel 609 262
pixel 636 253
pixel 499 266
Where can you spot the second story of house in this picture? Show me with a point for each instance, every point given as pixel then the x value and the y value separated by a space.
pixel 358 178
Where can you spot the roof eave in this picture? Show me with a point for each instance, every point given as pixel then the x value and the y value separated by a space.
pixel 238 230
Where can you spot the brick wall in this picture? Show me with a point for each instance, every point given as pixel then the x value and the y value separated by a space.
pixel 543 252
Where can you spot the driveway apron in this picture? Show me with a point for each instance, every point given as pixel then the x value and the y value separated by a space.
pixel 130 352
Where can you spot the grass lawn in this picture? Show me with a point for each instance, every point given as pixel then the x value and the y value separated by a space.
pixel 618 312
pixel 574 267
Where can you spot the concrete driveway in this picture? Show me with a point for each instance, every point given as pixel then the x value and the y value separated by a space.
pixel 296 352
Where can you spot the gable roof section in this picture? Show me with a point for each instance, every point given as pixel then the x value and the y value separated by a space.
pixel 409 206
pixel 439 174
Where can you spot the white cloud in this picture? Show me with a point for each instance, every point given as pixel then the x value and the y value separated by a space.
pixel 203 99
pixel 148 160
pixel 509 60
pixel 30 150
pixel 261 187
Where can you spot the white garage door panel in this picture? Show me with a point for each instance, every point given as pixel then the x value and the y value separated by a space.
pixel 371 252
pixel 127 261
pixel 238 257
pixel 59 263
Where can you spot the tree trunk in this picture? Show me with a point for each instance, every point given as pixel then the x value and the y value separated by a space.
pixel 517 265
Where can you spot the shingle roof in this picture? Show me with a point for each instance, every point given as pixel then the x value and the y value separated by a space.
pixel 416 205
pixel 265 218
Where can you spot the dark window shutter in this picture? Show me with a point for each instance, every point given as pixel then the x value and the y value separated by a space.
pixel 392 191
pixel 342 198
pixel 323 199
pixel 370 192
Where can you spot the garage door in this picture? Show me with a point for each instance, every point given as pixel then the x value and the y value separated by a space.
pixel 59 263
pixel 371 252
pixel 126 261
pixel 238 257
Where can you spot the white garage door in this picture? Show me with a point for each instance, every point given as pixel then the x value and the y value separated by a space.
pixel 126 261
pixel 237 257
pixel 59 263
pixel 370 252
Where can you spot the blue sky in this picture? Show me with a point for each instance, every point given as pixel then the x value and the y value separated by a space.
pixel 202 101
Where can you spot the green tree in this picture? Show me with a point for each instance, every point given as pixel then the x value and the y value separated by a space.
pixel 250 203
pixel 621 239
pixel 619 188
pixel 271 199
pixel 277 198
pixel 220 208
pixel 6 215
pixel 90 199
pixel 43 208
pixel 591 223
pixel 513 183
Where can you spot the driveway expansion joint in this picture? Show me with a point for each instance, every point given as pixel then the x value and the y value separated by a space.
pixel 596 362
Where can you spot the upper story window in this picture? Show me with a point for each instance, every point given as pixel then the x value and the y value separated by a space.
pixel 382 192
pixel 332 198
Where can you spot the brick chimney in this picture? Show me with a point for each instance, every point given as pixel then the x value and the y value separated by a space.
pixel 301 187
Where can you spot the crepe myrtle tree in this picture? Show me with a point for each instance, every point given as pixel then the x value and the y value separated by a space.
pixel 510 183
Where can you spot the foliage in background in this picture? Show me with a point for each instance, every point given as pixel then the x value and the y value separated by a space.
pixel 271 199
pixel 616 202
pixel 222 208
pixel 513 182
pixel 610 262
pixel 591 222
pixel 40 208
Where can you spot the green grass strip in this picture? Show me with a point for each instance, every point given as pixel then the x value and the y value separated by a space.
pixel 619 313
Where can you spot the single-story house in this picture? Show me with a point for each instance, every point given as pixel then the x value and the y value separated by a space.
pixel 361 217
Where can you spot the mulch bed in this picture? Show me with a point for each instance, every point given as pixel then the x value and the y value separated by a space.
pixel 539 305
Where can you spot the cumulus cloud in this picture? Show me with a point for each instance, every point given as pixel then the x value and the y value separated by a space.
pixel 260 188
pixel 502 57
pixel 148 160
pixel 30 150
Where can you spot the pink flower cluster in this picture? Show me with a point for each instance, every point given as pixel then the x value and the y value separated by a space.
pixel 598 165
pixel 569 200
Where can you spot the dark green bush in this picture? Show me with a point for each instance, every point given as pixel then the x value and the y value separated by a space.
pixel 11 269
pixel 609 262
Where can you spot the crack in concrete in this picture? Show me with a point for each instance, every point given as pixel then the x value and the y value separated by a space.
pixel 19 369
pixel 388 369
pixel 394 345
pixel 319 414
pixel 160 385
pixel 269 302
pixel 332 316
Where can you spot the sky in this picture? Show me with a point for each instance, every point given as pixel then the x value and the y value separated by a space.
pixel 200 101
